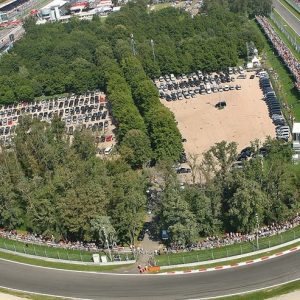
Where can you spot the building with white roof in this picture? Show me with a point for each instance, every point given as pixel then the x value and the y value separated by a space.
pixel 296 137
pixel 296 142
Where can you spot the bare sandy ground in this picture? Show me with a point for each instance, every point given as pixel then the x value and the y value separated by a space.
pixel 291 296
pixel 9 297
pixel 244 119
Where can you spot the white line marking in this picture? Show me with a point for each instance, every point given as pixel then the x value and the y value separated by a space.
pixel 287 8
pixel 42 294
pixel 247 292
pixel 287 22
pixel 75 271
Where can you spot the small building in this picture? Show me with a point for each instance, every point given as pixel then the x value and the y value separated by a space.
pixel 296 137
pixel 51 12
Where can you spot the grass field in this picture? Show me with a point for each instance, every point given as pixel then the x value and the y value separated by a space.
pixel 284 85
pixel 232 261
pixel 226 251
pixel 267 293
pixel 57 265
pixel 51 252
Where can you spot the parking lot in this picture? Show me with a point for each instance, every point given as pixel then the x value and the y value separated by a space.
pixel 204 121
pixel 88 111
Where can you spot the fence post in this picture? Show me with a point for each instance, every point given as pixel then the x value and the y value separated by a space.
pixel 168 259
pixel 241 249
pixel 68 255
pixel 46 252
pixel 58 255
pixel 212 255
pixel 24 249
pixel 226 252
pixel 34 250
pixel 5 246
pixel 281 238
pixel 80 256
pixel 15 248
pixel 183 259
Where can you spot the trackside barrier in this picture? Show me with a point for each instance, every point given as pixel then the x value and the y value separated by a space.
pixel 73 262
pixel 294 5
pixel 281 27
pixel 230 258
pixel 227 251
pixel 283 51
pixel 154 269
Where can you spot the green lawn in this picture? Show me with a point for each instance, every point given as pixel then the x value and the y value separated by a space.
pixel 231 262
pixel 226 251
pixel 284 84
pixel 159 6
pixel 56 265
pixel 51 252
pixel 267 293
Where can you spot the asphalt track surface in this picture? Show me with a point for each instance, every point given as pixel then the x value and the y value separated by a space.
pixel 291 19
pixel 188 286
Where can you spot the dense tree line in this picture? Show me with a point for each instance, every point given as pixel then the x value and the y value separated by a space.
pixel 164 136
pixel 56 58
pixel 51 186
pixel 229 199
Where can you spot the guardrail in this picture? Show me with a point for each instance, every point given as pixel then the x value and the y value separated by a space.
pixel 294 5
pixel 59 254
pixel 210 255
pixel 281 27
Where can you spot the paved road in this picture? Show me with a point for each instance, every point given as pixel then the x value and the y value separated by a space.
pixel 287 15
pixel 189 286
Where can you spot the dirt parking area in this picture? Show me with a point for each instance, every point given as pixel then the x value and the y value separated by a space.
pixel 244 119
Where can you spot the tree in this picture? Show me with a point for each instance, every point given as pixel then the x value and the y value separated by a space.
pixel 103 230
pixel 135 148
pixel 83 144
pixel 25 92
pixel 247 202
pixel 207 210
pixel 176 217
pixel 219 158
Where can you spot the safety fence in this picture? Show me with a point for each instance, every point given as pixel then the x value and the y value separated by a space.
pixel 60 253
pixel 294 5
pixel 282 49
pixel 226 251
pixel 281 26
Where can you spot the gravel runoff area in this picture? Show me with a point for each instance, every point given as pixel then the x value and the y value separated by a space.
pixel 244 119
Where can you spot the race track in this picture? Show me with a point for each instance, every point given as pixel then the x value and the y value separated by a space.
pixel 188 286
pixel 290 18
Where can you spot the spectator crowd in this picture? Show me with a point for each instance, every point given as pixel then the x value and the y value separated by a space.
pixel 235 238
pixel 208 243
pixel 284 52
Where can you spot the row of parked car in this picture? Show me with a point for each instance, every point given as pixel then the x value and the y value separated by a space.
pixel 87 111
pixel 172 88
pixel 275 112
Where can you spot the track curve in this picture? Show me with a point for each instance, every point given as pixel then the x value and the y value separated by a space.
pixel 188 286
